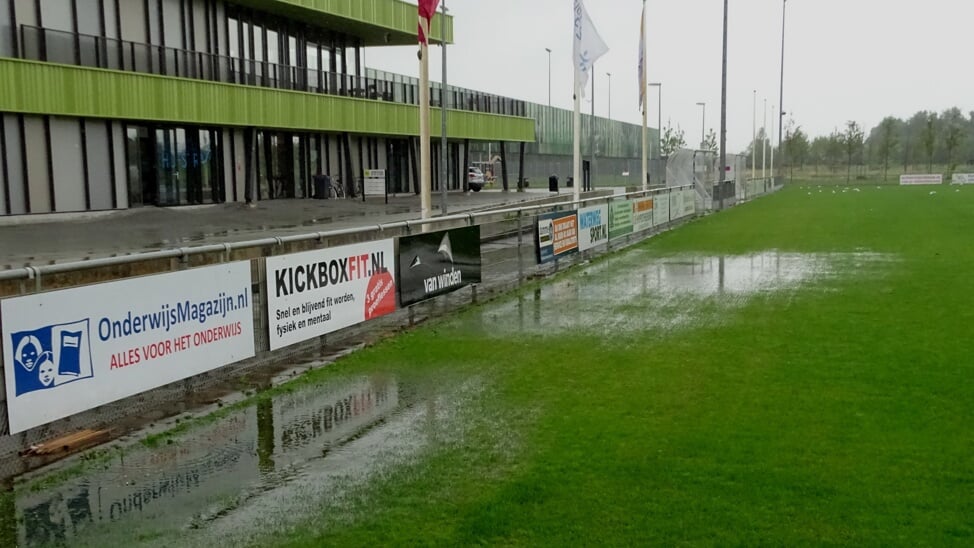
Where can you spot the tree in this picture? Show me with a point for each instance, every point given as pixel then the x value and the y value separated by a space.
pixel 672 140
pixel 852 141
pixel 928 138
pixel 887 141
pixel 710 142
pixel 953 135
pixel 835 143
pixel 796 146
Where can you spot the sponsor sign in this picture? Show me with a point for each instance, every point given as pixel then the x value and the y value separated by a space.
pixel 921 179
pixel 68 351
pixel 593 227
pixel 689 202
pixel 438 263
pixel 642 214
pixel 557 235
pixel 661 210
pixel 620 219
pixel 317 292
pixel 375 182
pixel 962 179
pixel 676 204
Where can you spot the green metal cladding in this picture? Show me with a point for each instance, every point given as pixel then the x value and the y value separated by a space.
pixel 377 22
pixel 45 88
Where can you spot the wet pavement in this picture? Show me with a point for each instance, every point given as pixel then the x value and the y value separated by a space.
pixel 281 461
pixel 39 240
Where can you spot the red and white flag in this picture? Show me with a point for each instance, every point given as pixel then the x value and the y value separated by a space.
pixel 427 9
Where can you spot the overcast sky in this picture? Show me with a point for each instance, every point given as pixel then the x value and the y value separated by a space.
pixel 845 59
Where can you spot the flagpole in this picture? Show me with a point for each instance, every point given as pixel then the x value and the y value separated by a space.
pixel 645 94
pixel 426 198
pixel 577 172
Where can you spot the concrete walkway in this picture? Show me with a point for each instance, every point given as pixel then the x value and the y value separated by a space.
pixel 34 240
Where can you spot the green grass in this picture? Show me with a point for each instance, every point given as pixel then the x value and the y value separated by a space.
pixel 836 413
pixel 840 415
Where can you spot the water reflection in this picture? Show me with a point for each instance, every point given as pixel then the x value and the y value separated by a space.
pixel 637 292
pixel 154 491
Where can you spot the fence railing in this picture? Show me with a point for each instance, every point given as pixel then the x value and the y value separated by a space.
pixel 43 44
pixel 508 259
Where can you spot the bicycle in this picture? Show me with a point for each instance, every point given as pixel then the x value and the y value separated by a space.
pixel 336 189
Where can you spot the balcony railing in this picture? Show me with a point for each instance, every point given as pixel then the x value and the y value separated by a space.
pixel 41 44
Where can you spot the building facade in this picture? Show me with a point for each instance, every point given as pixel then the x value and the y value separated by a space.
pixel 116 104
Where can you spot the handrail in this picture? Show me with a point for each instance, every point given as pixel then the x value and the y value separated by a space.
pixel 126 55
pixel 32 272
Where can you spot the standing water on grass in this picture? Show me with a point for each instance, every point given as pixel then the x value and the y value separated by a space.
pixel 278 462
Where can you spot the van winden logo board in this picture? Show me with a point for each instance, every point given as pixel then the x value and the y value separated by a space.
pixel 68 351
pixel 438 263
pixel 318 292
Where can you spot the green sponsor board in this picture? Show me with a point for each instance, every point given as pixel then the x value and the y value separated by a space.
pixel 620 219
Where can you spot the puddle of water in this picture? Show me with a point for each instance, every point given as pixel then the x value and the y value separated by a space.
pixel 636 292
pixel 266 464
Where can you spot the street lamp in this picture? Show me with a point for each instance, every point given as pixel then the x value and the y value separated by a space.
pixel 754 135
pixel 781 95
pixel 549 75
pixel 703 125
pixel 609 74
pixel 659 131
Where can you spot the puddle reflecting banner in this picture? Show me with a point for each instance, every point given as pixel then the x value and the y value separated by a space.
pixel 593 227
pixel 438 263
pixel 620 222
pixel 72 350
pixel 318 292
pixel 556 235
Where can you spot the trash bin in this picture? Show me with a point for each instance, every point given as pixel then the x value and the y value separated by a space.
pixel 571 182
pixel 321 184
pixel 553 183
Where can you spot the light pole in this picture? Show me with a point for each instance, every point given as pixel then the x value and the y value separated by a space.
pixel 764 143
pixel 444 154
pixel 781 95
pixel 549 75
pixel 754 134
pixel 703 125
pixel 609 74
pixel 659 130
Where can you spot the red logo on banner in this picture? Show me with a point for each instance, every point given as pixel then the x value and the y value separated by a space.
pixel 380 298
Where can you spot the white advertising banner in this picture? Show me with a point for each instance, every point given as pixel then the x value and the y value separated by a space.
pixel 375 182
pixel 642 214
pixel 593 227
pixel 661 210
pixel 318 292
pixel 68 351
pixel 689 202
pixel 962 179
pixel 921 179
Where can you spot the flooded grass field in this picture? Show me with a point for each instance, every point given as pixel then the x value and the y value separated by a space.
pixel 794 371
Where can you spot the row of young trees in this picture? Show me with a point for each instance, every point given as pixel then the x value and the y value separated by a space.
pixel 924 140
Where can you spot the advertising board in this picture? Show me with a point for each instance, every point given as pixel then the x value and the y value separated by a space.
pixel 438 263
pixel 593 227
pixel 556 235
pixel 71 350
pixel 642 214
pixel 620 222
pixel 318 292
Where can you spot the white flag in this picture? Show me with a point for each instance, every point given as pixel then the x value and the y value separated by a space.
pixel 589 46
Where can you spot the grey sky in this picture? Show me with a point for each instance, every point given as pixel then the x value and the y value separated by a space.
pixel 845 59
